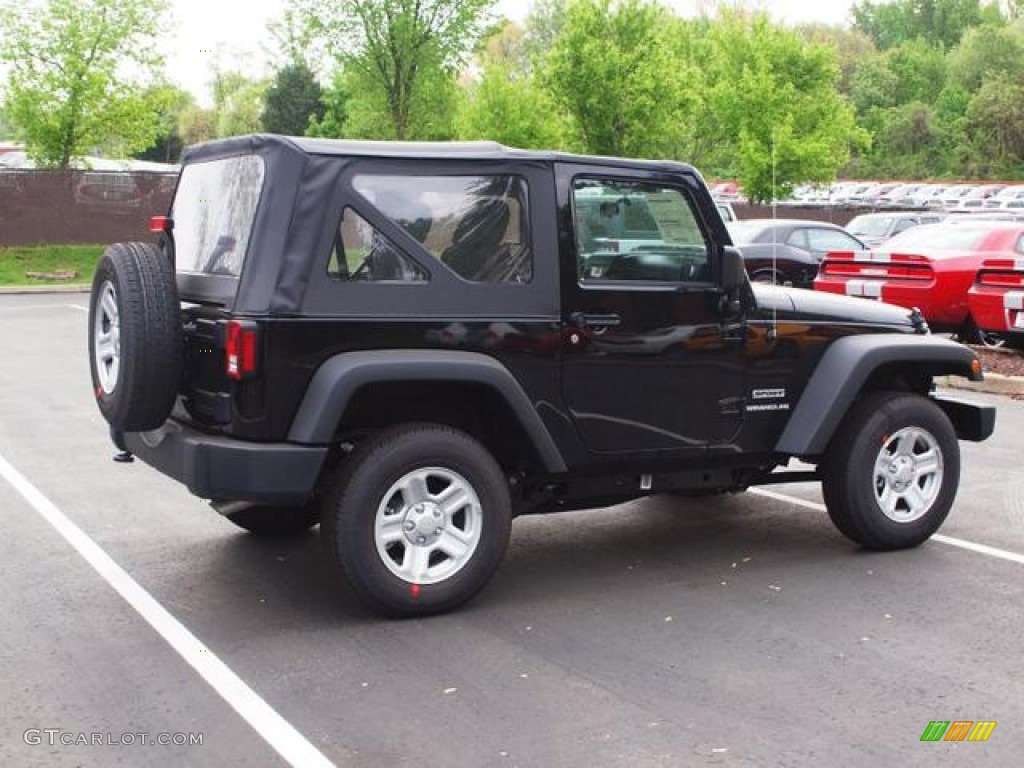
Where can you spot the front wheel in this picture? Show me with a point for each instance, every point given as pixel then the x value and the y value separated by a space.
pixel 419 519
pixel 892 471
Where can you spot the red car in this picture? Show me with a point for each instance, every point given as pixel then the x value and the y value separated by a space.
pixel 929 267
pixel 996 300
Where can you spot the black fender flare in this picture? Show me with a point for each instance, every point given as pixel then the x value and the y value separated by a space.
pixel 340 377
pixel 843 370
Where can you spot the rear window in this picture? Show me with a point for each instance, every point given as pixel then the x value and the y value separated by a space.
pixel 744 234
pixel 870 226
pixel 213 213
pixel 938 237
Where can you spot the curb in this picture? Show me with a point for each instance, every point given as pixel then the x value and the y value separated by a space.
pixel 994 384
pixel 16 290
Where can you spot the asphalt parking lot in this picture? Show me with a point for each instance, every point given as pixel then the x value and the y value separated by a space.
pixel 741 631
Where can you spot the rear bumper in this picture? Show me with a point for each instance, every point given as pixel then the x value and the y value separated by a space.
pixel 995 309
pixel 224 468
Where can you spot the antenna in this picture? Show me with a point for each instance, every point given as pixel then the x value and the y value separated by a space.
pixel 773 332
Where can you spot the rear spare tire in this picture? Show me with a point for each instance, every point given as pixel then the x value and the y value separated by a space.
pixel 135 342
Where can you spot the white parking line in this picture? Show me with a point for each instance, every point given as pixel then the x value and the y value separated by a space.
pixel 22 307
pixel 275 730
pixel 981 549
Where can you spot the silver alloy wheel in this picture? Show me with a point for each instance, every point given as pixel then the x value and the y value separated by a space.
pixel 908 474
pixel 428 525
pixel 107 339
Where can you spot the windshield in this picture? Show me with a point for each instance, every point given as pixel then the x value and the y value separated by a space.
pixel 213 212
pixel 744 234
pixel 870 226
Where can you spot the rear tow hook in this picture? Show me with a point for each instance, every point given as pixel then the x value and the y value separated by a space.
pixel 123 456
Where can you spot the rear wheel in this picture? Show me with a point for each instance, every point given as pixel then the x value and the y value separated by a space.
pixel 892 471
pixel 419 519
pixel 972 334
pixel 135 343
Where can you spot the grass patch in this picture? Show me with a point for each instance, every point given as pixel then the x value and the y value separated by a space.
pixel 17 261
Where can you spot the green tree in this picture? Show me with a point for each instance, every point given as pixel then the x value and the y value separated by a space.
pixel 292 99
pixel 614 71
pixel 334 102
pixel 76 74
pixel 995 126
pixel 196 125
pixel 772 106
pixel 852 47
pixel 986 52
pixel 238 103
pixel 512 109
pixel 398 56
pixel 943 22
pixel 171 102
pixel 920 70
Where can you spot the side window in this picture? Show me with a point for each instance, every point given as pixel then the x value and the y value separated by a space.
pixel 798 239
pixel 636 231
pixel 1019 248
pixel 831 240
pixel 477 226
pixel 363 253
pixel 903 225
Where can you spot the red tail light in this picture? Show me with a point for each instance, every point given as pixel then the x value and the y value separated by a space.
pixel 159 224
pixel 1002 273
pixel 241 349
pixel 869 264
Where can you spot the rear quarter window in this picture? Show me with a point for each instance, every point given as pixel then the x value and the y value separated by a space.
pixel 477 226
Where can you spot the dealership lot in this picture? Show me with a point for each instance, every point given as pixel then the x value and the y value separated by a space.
pixel 741 631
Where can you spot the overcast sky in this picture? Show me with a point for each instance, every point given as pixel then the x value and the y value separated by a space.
pixel 234 31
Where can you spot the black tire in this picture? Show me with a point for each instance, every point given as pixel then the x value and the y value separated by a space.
pixel 138 392
pixel 369 477
pixel 273 521
pixel 877 424
pixel 970 333
pixel 767 276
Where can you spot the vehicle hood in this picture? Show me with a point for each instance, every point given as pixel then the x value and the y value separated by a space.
pixel 807 305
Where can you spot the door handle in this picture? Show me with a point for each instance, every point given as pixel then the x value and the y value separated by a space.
pixel 594 320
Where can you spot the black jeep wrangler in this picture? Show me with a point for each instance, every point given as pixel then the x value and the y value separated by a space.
pixel 413 343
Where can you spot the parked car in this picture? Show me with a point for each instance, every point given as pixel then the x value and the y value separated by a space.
pixel 788 251
pixel 274 352
pixel 930 267
pixel 975 199
pixel 871 196
pixel 1007 197
pixel 996 300
pixel 953 194
pixel 900 196
pixel 873 229
pixel 927 196
pixel 726 211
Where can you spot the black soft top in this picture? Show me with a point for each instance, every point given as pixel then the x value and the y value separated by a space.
pixel 261 143
pixel 306 187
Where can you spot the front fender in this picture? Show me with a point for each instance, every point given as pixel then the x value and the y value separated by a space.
pixel 338 379
pixel 845 368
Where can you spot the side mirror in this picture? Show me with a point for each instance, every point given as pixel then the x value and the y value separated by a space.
pixel 733 281
pixel 733 272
